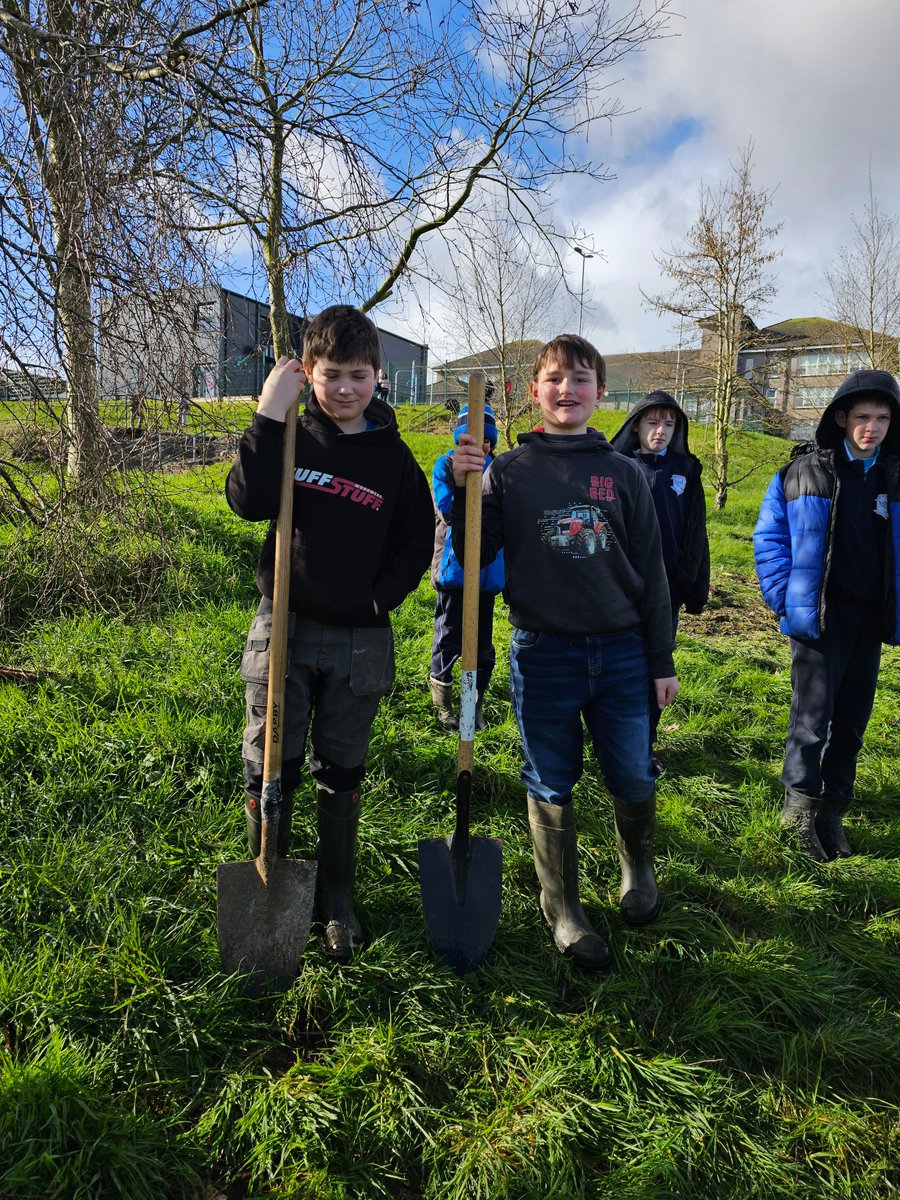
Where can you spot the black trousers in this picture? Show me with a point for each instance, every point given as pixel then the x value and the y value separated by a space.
pixel 447 646
pixel 833 680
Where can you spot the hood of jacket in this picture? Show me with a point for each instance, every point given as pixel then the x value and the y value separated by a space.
pixel 626 439
pixel 381 415
pixel 861 385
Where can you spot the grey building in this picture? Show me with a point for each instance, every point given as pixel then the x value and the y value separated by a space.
pixel 211 343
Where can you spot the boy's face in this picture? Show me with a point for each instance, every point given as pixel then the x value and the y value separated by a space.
pixel 865 426
pixel 566 396
pixel 655 429
pixel 343 390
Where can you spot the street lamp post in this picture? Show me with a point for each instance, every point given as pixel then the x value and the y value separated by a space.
pixel 584 255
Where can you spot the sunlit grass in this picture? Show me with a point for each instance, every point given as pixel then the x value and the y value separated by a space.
pixel 745 1045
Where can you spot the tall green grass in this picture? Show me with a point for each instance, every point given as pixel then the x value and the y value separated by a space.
pixel 745 1045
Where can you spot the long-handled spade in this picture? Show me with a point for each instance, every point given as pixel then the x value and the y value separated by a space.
pixel 461 876
pixel 265 905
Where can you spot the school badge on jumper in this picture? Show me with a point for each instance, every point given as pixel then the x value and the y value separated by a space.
pixel 881 505
pixel 679 483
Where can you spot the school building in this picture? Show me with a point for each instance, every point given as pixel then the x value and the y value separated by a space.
pixel 213 343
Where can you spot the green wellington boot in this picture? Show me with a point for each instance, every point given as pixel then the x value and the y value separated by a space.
pixel 254 824
pixel 442 699
pixel 635 826
pixel 799 814
pixel 338 820
pixel 830 825
pixel 555 843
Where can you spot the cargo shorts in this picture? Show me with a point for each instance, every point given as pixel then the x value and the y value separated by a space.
pixel 335 679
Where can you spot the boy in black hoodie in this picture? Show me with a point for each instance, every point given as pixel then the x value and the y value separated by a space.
pixel 589 603
pixel 363 530
pixel 655 435
pixel 826 556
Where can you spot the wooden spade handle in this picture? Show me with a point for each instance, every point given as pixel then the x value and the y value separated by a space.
pixel 274 743
pixel 471 578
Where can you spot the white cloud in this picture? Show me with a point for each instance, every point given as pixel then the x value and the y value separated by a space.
pixel 813 82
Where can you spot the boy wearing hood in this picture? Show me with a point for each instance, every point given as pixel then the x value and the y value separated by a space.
pixel 591 617
pixel 361 539
pixel 655 435
pixel 826 556
pixel 447 578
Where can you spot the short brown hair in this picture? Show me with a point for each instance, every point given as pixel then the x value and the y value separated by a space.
pixel 571 350
pixel 343 334
pixel 657 413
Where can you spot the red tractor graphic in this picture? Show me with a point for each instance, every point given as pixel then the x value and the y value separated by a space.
pixel 580 530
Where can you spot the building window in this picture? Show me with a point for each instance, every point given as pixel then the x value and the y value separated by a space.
pixel 831 362
pixel 812 397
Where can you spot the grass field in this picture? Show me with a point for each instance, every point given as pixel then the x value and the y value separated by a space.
pixel 745 1045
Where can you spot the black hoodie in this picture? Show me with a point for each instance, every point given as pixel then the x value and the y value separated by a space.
pixel 580 538
pixel 677 490
pixel 363 520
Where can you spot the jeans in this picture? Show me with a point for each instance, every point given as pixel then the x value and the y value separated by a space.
pixel 556 679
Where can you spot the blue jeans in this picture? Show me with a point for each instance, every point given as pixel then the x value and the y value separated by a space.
pixel 557 679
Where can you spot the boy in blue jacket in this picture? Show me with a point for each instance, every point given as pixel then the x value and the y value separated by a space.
pixel 447 577
pixel 826 556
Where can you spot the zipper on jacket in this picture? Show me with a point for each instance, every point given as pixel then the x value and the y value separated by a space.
pixel 826 561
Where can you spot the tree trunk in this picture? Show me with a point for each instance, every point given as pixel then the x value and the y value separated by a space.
pixel 87 457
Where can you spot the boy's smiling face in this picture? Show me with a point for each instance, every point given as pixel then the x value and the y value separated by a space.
pixel 343 390
pixel 566 396
pixel 865 425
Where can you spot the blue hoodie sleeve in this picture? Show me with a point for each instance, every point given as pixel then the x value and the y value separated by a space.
pixel 772 547
pixel 442 484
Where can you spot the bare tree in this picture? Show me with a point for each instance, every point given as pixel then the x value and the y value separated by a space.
pixel 864 285
pixel 719 276
pixel 351 130
pixel 97 92
pixel 506 296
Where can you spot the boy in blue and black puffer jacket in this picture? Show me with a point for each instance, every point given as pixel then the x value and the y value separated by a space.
pixel 826 547
pixel 447 577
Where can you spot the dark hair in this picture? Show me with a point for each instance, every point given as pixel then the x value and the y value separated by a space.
pixel 571 350
pixel 343 334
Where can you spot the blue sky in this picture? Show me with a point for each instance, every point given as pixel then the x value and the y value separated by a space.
pixel 815 83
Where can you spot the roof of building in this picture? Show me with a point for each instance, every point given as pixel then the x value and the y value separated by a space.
pixel 808 331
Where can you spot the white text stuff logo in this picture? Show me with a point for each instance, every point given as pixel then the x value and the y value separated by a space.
pixel 334 485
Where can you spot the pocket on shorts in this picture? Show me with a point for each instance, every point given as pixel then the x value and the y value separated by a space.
pixel 371 661
pixel 525 637
pixel 255 659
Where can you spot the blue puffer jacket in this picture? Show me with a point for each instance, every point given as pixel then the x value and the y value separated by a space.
pixel 793 539
pixel 446 571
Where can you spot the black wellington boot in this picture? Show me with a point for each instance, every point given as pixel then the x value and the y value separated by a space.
pixel 254 824
pixel 442 699
pixel 338 820
pixel 555 843
pixel 635 826
pixel 830 825
pixel 799 814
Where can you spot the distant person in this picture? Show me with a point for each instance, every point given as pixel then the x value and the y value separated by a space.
pixel 184 408
pixel 136 410
pixel 825 546
pixel 447 577
pixel 383 387
pixel 655 435
pixel 592 625
pixel 363 535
